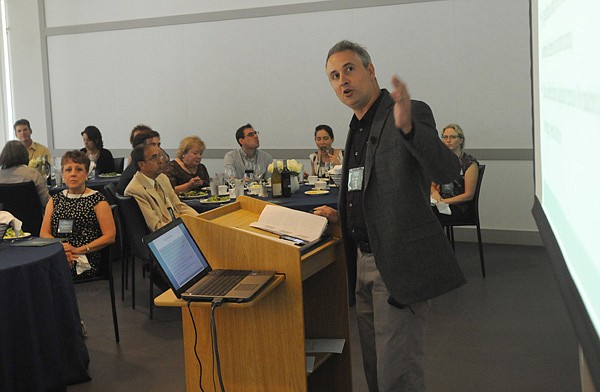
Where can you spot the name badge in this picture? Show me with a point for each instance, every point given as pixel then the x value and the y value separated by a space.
pixel 355 179
pixel 65 226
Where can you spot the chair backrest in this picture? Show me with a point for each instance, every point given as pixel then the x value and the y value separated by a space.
pixel 474 204
pixel 119 163
pixel 134 226
pixel 110 192
pixel 22 200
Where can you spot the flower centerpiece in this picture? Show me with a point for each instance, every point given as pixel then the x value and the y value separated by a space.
pixel 293 166
pixel 41 164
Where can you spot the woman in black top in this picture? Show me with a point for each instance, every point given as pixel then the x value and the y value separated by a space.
pixel 95 151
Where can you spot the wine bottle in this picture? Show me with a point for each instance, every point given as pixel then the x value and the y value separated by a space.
pixel 276 180
pixel 286 180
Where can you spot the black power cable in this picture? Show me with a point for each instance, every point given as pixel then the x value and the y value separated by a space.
pixel 195 344
pixel 215 347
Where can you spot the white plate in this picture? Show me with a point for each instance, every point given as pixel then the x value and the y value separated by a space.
pixel 316 192
pixel 208 201
pixel 185 197
pixel 106 175
pixel 24 235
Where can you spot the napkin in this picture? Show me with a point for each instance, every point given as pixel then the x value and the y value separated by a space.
pixel 337 169
pixel 8 219
pixel 443 208
pixel 81 264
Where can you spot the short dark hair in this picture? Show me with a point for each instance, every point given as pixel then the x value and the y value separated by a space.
pixel 344 45
pixel 13 154
pixel 139 127
pixel 138 154
pixel 93 133
pixel 239 134
pixel 21 122
pixel 77 157
pixel 141 138
pixel 325 128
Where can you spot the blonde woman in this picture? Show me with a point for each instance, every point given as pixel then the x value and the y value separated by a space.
pixel 186 172
pixel 462 190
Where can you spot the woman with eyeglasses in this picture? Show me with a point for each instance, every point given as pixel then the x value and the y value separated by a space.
pixel 462 190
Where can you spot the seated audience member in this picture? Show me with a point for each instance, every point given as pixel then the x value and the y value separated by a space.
pixel 95 151
pixel 80 215
pixel 248 158
pixel 136 131
pixel 143 137
pixel 186 172
pixel 326 157
pixel 14 169
pixel 463 190
pixel 152 190
pixel 34 150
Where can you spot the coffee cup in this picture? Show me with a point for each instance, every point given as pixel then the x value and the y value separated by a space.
pixel 223 190
pixel 321 185
pixel 312 179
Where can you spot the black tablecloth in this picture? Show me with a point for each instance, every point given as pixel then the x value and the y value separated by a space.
pixel 299 200
pixel 42 347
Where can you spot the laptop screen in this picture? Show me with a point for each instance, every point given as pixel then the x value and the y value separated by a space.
pixel 177 253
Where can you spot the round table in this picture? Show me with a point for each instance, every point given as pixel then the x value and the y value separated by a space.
pixel 41 343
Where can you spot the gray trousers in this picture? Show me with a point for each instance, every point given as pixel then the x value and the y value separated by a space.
pixel 391 338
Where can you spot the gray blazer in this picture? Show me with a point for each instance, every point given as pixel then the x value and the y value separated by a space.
pixel 412 253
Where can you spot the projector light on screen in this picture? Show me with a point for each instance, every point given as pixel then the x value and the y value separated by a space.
pixel 566 96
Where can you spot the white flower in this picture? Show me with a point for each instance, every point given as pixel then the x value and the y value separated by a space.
pixel 292 165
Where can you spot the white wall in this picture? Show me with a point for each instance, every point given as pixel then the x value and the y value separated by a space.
pixel 468 59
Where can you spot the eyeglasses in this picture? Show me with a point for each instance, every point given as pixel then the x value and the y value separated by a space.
pixel 155 157
pixel 252 134
pixel 446 137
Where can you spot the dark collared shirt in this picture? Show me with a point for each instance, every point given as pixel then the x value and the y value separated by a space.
pixel 359 138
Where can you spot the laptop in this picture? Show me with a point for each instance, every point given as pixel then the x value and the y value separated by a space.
pixel 189 273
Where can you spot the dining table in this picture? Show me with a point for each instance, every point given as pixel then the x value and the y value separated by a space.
pixel 42 346
pixel 299 200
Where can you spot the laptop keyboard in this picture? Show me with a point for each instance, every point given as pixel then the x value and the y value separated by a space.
pixel 221 282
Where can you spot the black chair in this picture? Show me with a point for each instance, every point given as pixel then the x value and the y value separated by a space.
pixel 106 273
pixel 110 192
pixel 22 200
pixel 134 229
pixel 119 164
pixel 470 218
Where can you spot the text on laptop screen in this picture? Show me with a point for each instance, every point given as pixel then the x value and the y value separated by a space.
pixel 177 253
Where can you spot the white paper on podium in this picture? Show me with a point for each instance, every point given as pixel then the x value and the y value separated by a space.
pixel 285 221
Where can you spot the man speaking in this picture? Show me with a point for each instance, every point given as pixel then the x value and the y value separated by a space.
pixel 398 257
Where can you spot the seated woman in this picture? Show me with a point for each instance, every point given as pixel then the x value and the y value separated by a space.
pixel 80 215
pixel 459 192
pixel 13 169
pixel 326 157
pixel 103 158
pixel 186 173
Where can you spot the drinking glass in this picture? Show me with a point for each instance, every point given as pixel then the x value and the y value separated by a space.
pixel 229 176
pixel 258 171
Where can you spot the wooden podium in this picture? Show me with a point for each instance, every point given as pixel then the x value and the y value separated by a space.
pixel 261 343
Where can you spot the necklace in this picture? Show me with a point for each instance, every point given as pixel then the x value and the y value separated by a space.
pixel 187 168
